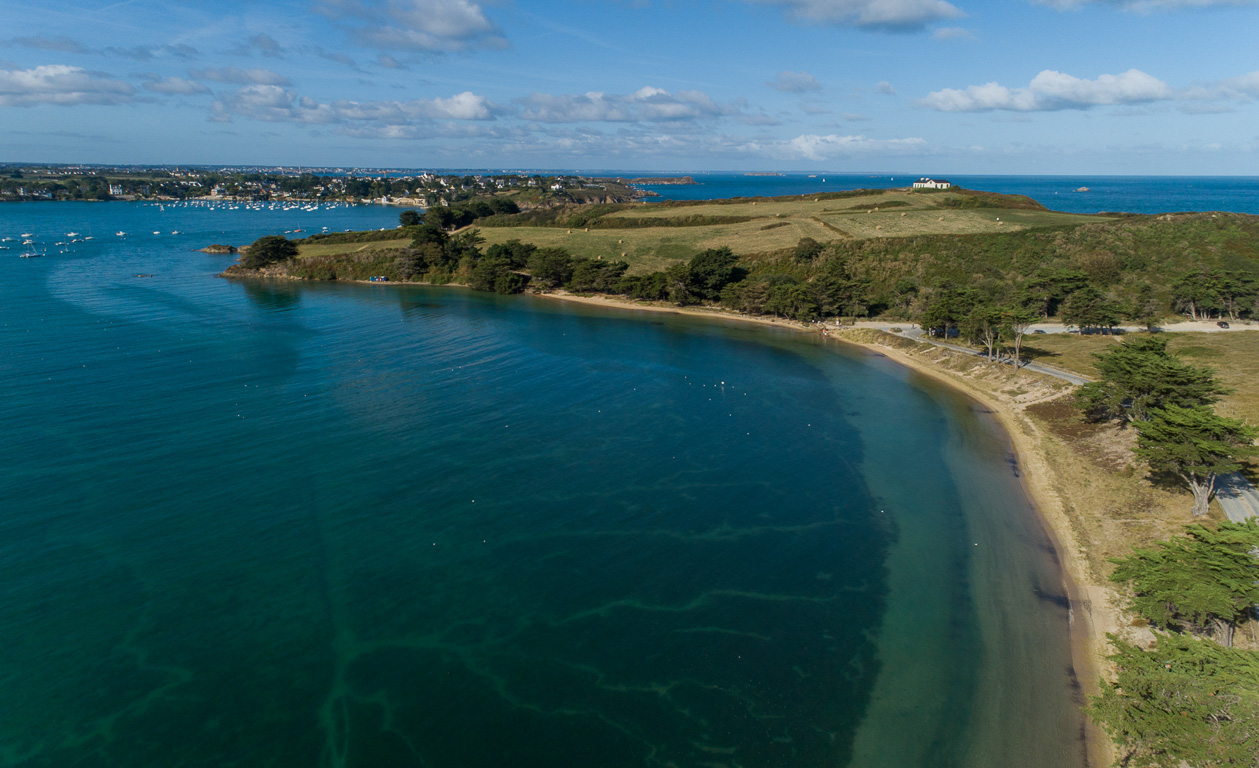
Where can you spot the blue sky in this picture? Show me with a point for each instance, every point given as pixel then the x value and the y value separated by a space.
pixel 916 86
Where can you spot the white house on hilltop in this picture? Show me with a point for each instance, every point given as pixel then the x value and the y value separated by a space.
pixel 925 183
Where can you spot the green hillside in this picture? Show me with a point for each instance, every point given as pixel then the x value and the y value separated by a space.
pixel 889 253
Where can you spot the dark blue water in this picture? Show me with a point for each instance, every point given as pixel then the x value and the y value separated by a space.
pixel 1134 194
pixel 284 524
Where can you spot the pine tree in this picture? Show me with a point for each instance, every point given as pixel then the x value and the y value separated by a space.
pixel 1138 375
pixel 1208 578
pixel 1187 702
pixel 1194 444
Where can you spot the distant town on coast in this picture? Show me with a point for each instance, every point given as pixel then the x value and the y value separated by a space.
pixel 422 189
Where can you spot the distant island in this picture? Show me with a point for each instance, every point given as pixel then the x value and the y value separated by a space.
pixel 663 180
pixel 764 173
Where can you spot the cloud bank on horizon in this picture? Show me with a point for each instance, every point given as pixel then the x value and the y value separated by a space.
pixel 971 86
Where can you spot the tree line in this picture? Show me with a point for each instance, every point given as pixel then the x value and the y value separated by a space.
pixel 1192 699
pixel 987 288
pixel 1170 404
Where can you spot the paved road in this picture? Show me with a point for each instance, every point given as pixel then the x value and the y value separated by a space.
pixel 1238 498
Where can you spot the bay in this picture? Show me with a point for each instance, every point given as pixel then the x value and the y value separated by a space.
pixel 295 524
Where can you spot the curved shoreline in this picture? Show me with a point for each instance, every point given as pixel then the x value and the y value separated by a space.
pixel 1092 609
pixel 1092 612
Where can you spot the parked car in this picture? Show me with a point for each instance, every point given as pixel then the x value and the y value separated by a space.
pixel 1223 324
pixel 1038 331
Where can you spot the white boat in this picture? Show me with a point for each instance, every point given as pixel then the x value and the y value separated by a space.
pixel 120 233
pixel 156 232
pixel 27 234
pixel 72 234
pixel 29 255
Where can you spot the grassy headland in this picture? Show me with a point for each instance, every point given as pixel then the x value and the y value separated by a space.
pixel 649 236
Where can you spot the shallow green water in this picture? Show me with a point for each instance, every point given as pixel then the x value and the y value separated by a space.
pixel 286 525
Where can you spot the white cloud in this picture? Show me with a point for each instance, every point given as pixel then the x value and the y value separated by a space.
pixel 795 82
pixel 175 86
pixel 647 104
pixel 416 25
pixel 883 14
pixel 238 76
pixel 62 85
pixel 814 147
pixel 1052 90
pixel 1243 88
pixel 271 103
pixel 461 106
pixel 885 88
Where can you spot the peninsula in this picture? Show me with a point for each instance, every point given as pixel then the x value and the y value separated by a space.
pixel 978 269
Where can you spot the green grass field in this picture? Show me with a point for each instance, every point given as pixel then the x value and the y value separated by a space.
pixel 337 249
pixel 1233 355
pixel 777 224
pixel 650 248
pixel 774 224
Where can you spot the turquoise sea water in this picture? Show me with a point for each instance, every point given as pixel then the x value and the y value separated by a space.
pixel 276 524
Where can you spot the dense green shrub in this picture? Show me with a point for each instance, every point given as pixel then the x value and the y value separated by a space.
pixel 268 250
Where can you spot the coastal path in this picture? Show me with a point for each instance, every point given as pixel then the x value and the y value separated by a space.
pixel 1238 498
